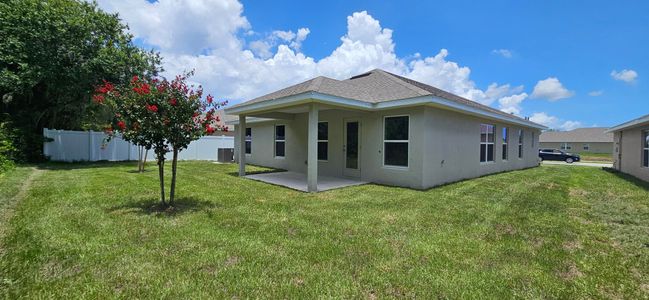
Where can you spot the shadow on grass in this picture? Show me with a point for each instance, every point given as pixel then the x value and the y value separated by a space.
pixel 630 178
pixel 262 170
pixel 152 206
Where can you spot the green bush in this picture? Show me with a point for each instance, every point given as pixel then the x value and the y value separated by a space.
pixel 8 152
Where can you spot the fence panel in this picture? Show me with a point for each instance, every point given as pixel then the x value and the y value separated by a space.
pixel 73 146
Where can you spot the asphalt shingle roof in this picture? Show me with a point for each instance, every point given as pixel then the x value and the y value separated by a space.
pixel 373 87
pixel 579 135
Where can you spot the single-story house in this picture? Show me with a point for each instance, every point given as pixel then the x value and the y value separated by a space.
pixel 631 153
pixel 383 128
pixel 592 140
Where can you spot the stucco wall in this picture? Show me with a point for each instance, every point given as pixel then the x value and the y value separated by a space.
pixel 628 154
pixel 579 147
pixel 452 150
pixel 435 135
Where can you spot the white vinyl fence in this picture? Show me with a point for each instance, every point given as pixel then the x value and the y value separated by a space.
pixel 91 146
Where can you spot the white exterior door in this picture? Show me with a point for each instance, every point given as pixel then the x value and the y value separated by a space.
pixel 351 148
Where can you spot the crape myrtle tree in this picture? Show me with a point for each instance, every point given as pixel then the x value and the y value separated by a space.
pixel 161 115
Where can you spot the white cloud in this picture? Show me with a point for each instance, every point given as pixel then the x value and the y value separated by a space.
pixel 506 53
pixel 596 93
pixel 554 122
pixel 551 89
pixel 512 104
pixel 210 37
pixel 628 76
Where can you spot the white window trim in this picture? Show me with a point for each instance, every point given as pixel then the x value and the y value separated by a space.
pixel 486 145
pixel 521 143
pixel 585 147
pixel 275 140
pixel 505 143
pixel 644 148
pixel 384 141
pixel 244 150
pixel 324 141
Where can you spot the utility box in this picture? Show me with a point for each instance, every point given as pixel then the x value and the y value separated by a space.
pixel 225 155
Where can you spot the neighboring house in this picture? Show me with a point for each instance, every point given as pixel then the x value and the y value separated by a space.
pixel 631 153
pixel 592 140
pixel 382 128
pixel 224 119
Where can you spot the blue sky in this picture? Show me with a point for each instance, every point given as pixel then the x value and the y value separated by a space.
pixel 564 63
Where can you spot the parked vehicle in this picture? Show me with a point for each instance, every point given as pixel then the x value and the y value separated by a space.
pixel 556 154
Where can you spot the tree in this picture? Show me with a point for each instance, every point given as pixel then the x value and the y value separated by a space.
pixel 52 54
pixel 161 115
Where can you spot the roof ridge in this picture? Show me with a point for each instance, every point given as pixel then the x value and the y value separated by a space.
pixel 315 84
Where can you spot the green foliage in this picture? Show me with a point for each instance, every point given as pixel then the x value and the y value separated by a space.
pixel 52 54
pixel 8 152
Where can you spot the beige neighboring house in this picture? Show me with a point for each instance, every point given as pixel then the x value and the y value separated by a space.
pixel 224 120
pixel 631 153
pixel 581 140
pixel 383 128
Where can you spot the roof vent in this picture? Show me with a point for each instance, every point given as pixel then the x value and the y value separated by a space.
pixel 361 75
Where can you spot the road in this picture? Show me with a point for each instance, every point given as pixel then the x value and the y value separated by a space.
pixel 587 164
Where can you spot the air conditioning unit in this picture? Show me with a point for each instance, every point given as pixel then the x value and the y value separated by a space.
pixel 225 155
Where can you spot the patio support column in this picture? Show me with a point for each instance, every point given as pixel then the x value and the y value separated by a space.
pixel 312 149
pixel 242 145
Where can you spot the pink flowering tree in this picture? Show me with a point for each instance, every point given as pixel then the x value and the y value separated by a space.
pixel 161 115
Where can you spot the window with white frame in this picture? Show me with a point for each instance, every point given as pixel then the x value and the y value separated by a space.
pixel 487 142
pixel 586 147
pixel 566 146
pixel 505 137
pixel 533 140
pixel 520 143
pixel 323 141
pixel 396 138
pixel 248 140
pixel 645 149
pixel 280 140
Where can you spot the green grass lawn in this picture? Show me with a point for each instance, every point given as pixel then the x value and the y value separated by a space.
pixel 93 231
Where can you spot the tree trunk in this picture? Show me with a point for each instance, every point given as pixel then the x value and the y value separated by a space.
pixel 174 164
pixel 140 151
pixel 146 153
pixel 161 164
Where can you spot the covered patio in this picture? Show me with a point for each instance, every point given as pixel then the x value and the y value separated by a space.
pixel 298 181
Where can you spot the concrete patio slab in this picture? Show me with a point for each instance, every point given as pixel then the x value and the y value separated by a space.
pixel 297 181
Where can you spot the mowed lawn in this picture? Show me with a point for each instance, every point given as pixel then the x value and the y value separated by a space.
pixel 93 231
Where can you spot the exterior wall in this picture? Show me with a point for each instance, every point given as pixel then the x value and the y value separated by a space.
pixel 628 152
pixel 435 135
pixel 452 148
pixel 579 147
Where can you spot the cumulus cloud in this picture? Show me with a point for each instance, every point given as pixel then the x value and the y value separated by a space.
pixel 506 53
pixel 512 104
pixel 553 122
pixel 596 93
pixel 235 62
pixel 551 89
pixel 628 76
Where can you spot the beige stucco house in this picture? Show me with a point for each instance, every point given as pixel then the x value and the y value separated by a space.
pixel 382 128
pixel 582 140
pixel 631 153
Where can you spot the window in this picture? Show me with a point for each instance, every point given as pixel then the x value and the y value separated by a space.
pixel 566 146
pixel 505 142
pixel 486 143
pixel 248 140
pixel 520 143
pixel 395 141
pixel 533 140
pixel 280 140
pixel 323 141
pixel 645 152
pixel 586 147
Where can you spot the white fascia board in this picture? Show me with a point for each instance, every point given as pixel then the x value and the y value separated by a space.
pixel 249 120
pixel 298 99
pixel 636 122
pixel 443 103
pixel 362 105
